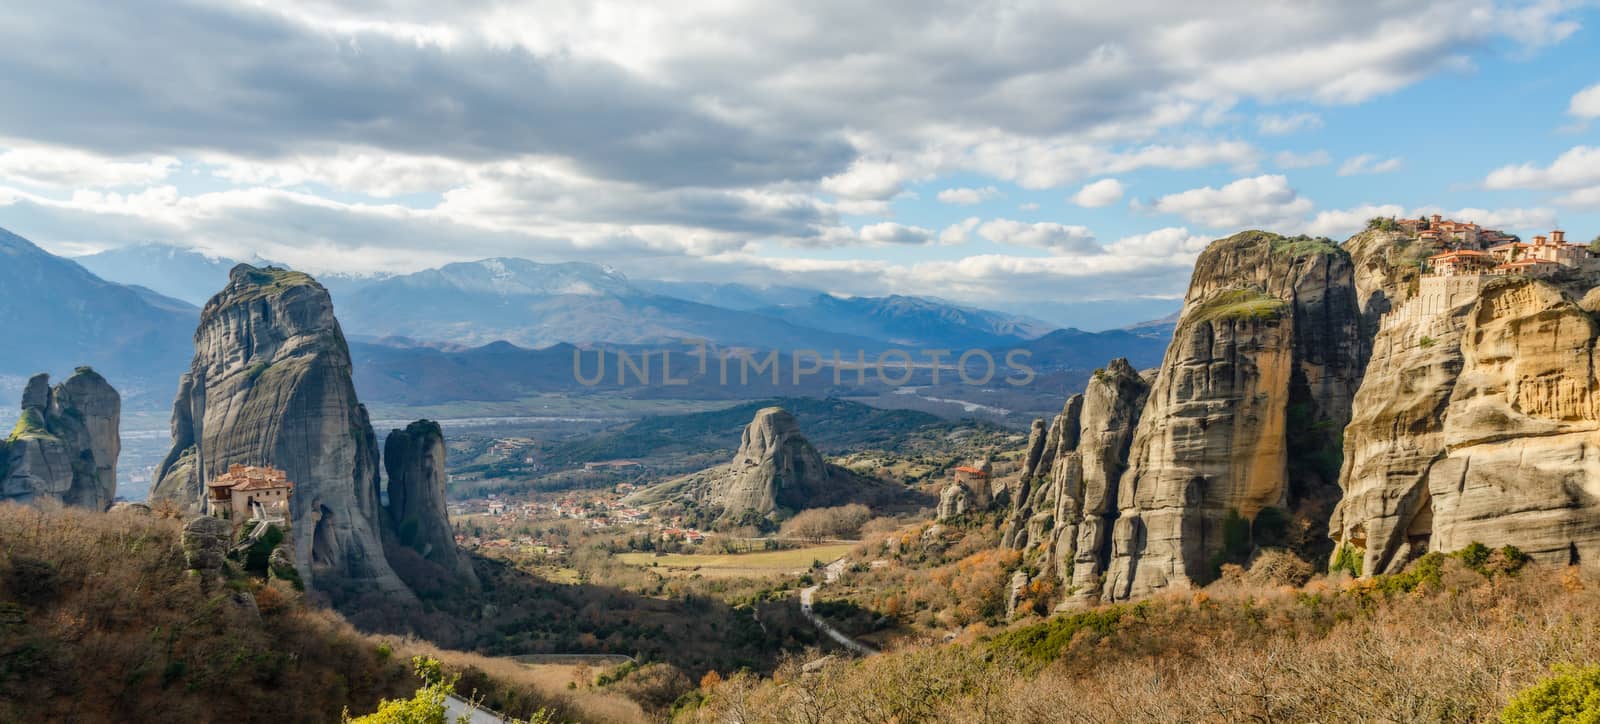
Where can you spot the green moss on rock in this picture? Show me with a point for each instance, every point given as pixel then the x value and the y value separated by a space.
pixel 1236 304
pixel 30 424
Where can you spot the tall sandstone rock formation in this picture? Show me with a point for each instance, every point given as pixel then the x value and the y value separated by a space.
pixel 414 459
pixel 66 443
pixel 1478 424
pixel 270 385
pixel 776 469
pixel 1266 357
pixel 1067 502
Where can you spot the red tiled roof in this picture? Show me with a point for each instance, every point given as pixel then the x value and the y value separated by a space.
pixel 970 470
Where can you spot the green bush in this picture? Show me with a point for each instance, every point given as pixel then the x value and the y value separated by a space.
pixel 1349 559
pixel 1572 694
pixel 1043 643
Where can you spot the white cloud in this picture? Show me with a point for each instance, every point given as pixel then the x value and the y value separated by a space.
pixel 1536 220
pixel 869 180
pixel 1173 240
pixel 1588 199
pixel 959 232
pixel 1050 236
pixel 352 170
pixel 1579 166
pixel 1258 201
pixel 1586 103
pixel 1367 163
pixel 968 196
pixel 58 167
pixel 1277 125
pixel 1310 159
pixel 1342 223
pixel 1029 206
pixel 1104 192
pixel 888 232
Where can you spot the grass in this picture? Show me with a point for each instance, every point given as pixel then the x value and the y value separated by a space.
pixel 30 424
pixel 739 565
pixel 1300 246
pixel 272 281
pixel 1236 304
pixel 1460 647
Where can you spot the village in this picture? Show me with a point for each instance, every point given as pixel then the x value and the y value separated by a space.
pixel 497 523
pixel 1474 256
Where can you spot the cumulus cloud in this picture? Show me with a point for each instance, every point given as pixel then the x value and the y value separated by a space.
pixel 888 232
pixel 1341 223
pixel 870 180
pixel 1278 125
pixel 1104 192
pixel 1367 163
pixel 1310 159
pixel 70 168
pixel 1586 103
pixel 1579 166
pixel 393 133
pixel 1587 199
pixel 959 232
pixel 1050 236
pixel 1266 200
pixel 968 196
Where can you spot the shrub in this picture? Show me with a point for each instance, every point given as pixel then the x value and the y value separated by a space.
pixel 1348 559
pixel 32 580
pixel 1572 694
pixel 1042 643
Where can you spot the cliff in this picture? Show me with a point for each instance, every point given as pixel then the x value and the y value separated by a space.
pixel 270 386
pixel 66 442
pixel 1478 424
pixel 1266 357
pixel 414 459
pixel 1066 505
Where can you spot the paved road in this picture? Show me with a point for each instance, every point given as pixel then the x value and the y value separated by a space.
pixel 456 707
pixel 829 575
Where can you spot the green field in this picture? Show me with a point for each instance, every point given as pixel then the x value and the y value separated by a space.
pixel 738 565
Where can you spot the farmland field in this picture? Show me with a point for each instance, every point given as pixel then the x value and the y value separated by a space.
pixel 738 565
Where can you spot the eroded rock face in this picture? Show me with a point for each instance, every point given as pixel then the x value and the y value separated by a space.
pixel 1064 521
pixel 775 466
pixel 775 469
pixel 1479 424
pixel 954 501
pixel 270 386
pixel 414 459
pixel 1266 357
pixel 66 443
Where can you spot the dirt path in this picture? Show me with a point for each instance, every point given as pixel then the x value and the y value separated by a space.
pixel 829 575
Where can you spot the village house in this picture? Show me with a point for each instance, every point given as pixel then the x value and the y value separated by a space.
pixel 248 492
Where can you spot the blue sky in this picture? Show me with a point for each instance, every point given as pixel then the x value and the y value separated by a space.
pixel 1009 154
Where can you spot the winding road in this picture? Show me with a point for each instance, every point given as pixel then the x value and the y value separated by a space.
pixel 829 575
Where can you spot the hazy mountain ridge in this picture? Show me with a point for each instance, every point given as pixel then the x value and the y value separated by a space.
pixel 59 315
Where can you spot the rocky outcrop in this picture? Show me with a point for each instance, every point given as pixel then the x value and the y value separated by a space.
pixel 205 546
pixel 66 442
pixel 775 470
pixel 414 459
pixel 1266 357
pixel 1063 524
pixel 270 386
pixel 1477 424
pixel 955 501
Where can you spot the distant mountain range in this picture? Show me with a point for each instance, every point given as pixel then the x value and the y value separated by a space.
pixel 534 305
pixel 58 315
pixel 499 329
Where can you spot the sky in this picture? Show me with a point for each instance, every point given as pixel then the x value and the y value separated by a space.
pixel 1008 154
